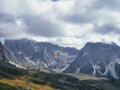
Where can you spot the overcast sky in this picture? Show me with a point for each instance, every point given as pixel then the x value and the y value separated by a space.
pixel 64 22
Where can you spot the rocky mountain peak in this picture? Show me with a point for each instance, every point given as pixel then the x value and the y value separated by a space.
pixel 98 59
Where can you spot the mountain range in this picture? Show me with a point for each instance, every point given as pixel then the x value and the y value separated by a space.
pixel 39 55
pixel 97 59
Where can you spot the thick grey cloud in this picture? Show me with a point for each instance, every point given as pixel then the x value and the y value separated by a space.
pixel 36 26
pixel 107 29
pixel 106 4
pixel 55 0
pixel 10 26
pixel 92 12
pixel 40 26
pixel 6 22
pixel 31 16
pixel 6 18
pixel 11 30
pixel 80 18
pixel 75 21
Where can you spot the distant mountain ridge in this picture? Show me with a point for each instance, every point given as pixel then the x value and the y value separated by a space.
pixel 97 59
pixel 36 55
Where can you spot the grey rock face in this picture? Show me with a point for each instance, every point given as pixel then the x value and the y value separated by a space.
pixel 97 59
pixel 5 54
pixel 32 54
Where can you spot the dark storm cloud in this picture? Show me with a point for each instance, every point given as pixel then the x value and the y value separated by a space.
pixel 40 26
pixel 107 29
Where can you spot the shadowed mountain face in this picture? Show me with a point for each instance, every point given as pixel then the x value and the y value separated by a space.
pixel 32 54
pixel 97 59
pixel 2 57
pixel 5 54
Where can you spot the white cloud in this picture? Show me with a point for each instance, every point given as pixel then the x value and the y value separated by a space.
pixel 64 22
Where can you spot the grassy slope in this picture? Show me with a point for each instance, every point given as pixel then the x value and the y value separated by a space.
pixel 23 84
pixel 99 82
pixel 84 80
pixel 41 81
pixel 12 78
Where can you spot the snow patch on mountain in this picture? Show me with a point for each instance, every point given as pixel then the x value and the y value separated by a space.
pixel 17 65
pixel 30 61
pixel 44 64
pixel 19 52
pixel 78 70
